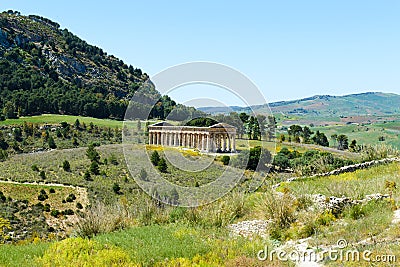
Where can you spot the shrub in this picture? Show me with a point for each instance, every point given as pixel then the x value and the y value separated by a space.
pixel 42 175
pixel 68 212
pixel 281 209
pixel 162 165
pixel 66 166
pixel 3 155
pixel 55 213
pixel 113 160
pixel 42 196
pixel 35 168
pixel 116 188
pixel 94 168
pixel 155 158
pixel 92 154
pixel 100 218
pixel 2 197
pixel 52 190
pixel 225 160
pixel 51 143
pixel 143 175
pixel 86 176
pixel 70 198
pixel 79 206
pixel 84 252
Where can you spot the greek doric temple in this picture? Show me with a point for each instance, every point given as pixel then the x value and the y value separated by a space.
pixel 219 137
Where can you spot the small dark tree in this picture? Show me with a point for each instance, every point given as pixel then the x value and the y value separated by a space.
pixel 77 124
pixel 353 145
pixel 162 165
pixel 35 168
pixel 94 168
pixel 86 176
pixel 116 188
pixel 155 158
pixel 66 166
pixel 143 175
pixel 281 161
pixel 42 175
pixel 343 142
pixel 92 154
pixel 51 142
pixel 225 160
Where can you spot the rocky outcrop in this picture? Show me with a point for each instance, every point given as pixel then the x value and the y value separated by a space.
pixel 250 228
pixel 337 204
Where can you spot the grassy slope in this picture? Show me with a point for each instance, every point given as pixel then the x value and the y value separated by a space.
pixel 354 184
pixel 367 134
pixel 56 119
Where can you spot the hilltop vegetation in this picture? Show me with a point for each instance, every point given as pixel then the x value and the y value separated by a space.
pixel 45 69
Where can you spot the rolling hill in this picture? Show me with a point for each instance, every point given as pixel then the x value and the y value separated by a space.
pixel 326 106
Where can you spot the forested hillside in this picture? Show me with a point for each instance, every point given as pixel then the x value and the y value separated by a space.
pixel 45 69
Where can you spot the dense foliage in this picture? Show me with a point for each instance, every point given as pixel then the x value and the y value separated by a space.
pixel 44 69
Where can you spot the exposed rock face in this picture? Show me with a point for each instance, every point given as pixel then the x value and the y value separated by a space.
pixel 3 38
pixel 337 204
pixel 250 228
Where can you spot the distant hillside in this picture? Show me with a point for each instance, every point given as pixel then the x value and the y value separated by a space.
pixel 45 69
pixel 364 104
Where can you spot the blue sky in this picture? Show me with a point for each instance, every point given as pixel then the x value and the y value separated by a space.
pixel 289 49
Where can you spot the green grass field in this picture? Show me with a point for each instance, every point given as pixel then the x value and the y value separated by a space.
pixel 56 119
pixel 365 134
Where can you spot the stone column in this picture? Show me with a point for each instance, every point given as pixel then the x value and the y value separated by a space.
pixel 223 142
pixel 234 142
pixel 208 142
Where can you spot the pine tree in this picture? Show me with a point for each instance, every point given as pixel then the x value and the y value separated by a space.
pixel 155 158
pixel 51 142
pixel 162 165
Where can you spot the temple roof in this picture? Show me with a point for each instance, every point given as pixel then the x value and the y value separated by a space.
pixel 162 123
pixel 222 125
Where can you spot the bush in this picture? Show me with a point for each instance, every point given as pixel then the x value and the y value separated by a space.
pixel 79 206
pixel 66 166
pixel 70 198
pixel 100 219
pixel 42 175
pixel 52 190
pixel 35 168
pixel 281 209
pixel 94 168
pixel 84 252
pixel 116 188
pixel 43 197
pixel 155 158
pixel 255 159
pixel 68 212
pixel 87 177
pixel 162 165
pixel 46 207
pixel 113 160
pixel 55 213
pixel 225 160
pixel 143 175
